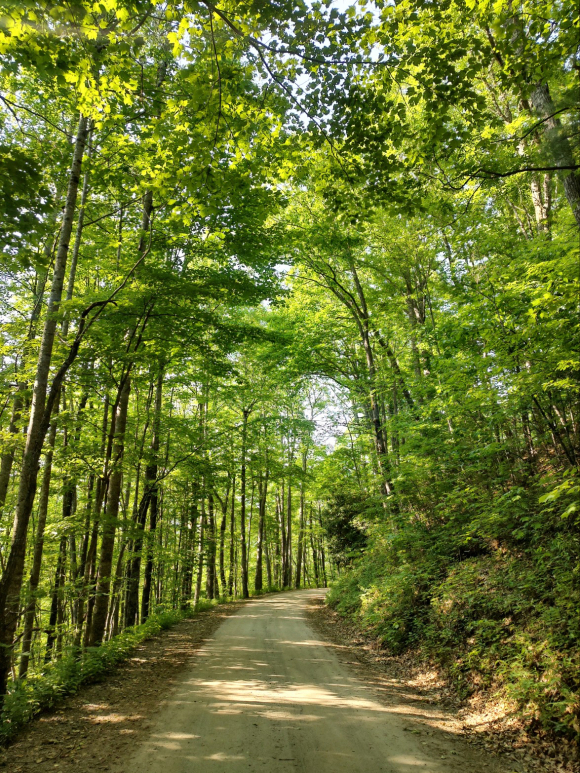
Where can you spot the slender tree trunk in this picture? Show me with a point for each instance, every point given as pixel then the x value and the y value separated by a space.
pixel 150 491
pixel 314 550
pixel 232 571
pixel 268 557
pixel 40 286
pixel 162 542
pixel 54 600
pixel 30 610
pixel 559 145
pixel 78 236
pixel 11 582
pixel 249 536
pixel 210 553
pixel 379 433
pixel 223 526
pixel 283 540
pixel 200 553
pixel 381 445
pixel 110 521
pixel 263 493
pixel 112 625
pixel 148 574
pixel 189 558
pixel 288 574
pixel 80 583
pixel 68 507
pixel 88 585
pixel 8 455
pixel 300 554
pixel 245 588
pixel 322 555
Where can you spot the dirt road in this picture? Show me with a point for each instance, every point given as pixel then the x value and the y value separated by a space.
pixel 266 694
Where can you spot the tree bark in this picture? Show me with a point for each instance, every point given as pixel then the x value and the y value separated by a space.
pixel 11 582
pixel 189 556
pixel 51 632
pixel 223 526
pixel 8 455
pixel 245 588
pixel 559 145
pixel 300 555
pixel 197 593
pixel 37 556
pixel 99 620
pixel 232 539
pixel 262 493
pixel 210 553
pixel 288 575
pixel 78 236
pixel 13 429
pixel 150 491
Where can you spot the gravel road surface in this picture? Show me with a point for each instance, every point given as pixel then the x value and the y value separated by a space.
pixel 267 694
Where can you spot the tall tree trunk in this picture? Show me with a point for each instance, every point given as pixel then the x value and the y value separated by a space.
pixel 313 549
pixel 112 625
pixel 88 583
pixel 288 574
pixel 54 600
pixel 80 583
pixel 283 541
pixel 268 560
pixel 200 553
pixel 262 493
pixel 363 321
pixel 245 588
pixel 232 571
pixel 210 553
pixel 40 286
pixel 322 554
pixel 68 508
pixel 11 582
pixel 148 574
pixel 375 414
pixel 78 235
pixel 223 526
pixel 150 491
pixel 559 145
pixel 249 536
pixel 110 520
pixel 300 554
pixel 189 557
pixel 8 455
pixel 37 556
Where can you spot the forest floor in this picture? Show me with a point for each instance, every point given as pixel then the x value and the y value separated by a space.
pixel 283 681
pixel 483 720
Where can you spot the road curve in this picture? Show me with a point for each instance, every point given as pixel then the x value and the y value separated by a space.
pixel 266 694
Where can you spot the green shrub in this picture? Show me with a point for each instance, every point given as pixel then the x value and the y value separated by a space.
pixel 506 618
pixel 37 692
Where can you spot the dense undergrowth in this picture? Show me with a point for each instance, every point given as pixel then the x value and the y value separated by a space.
pixel 495 613
pixel 40 691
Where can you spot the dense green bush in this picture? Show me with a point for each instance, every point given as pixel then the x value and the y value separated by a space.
pixel 505 618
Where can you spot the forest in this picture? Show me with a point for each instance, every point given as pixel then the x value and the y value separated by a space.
pixel 289 299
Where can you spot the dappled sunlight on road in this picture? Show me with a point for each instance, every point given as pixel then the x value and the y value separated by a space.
pixel 266 694
pixel 260 692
